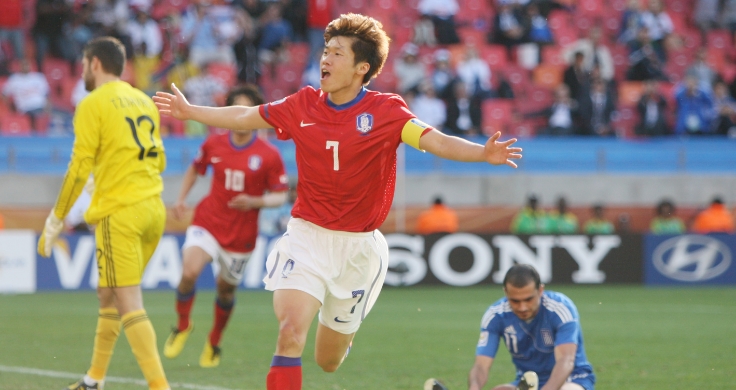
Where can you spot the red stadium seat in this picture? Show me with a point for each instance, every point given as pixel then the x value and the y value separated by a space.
pixel 55 70
pixel 496 115
pixel 517 76
pixel 716 58
pixel 719 39
pixel 471 36
pixel 548 76
pixel 552 55
pixel 729 73
pixel 495 55
pixel 565 36
pixel 590 7
pixel 15 124
pixel 558 19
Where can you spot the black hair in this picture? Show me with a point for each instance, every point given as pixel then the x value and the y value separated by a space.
pixel 520 275
pixel 109 51
pixel 248 90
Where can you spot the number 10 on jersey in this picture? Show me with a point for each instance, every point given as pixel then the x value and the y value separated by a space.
pixel 234 180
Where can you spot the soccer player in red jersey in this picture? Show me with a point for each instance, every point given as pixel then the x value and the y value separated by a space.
pixel 248 174
pixel 332 260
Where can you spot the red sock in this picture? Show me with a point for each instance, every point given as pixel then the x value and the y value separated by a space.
pixel 222 314
pixel 285 374
pixel 184 304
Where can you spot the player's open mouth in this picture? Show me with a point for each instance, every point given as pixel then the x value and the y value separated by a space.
pixel 324 74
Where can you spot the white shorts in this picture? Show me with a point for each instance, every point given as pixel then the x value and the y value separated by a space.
pixel 344 271
pixel 231 264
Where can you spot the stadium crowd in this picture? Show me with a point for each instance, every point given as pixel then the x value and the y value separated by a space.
pixel 528 67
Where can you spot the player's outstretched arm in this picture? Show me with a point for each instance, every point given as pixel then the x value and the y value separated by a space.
pixel 478 376
pixel 244 202
pixel 458 149
pixel 564 364
pixel 180 208
pixel 232 117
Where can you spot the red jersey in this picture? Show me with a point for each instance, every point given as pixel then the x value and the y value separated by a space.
pixel 251 169
pixel 345 155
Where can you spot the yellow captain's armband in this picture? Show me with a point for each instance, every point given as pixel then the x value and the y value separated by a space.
pixel 412 131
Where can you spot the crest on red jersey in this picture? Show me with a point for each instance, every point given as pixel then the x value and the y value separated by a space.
pixel 364 123
pixel 254 162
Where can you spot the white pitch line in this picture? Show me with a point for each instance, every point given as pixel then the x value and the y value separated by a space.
pixel 69 375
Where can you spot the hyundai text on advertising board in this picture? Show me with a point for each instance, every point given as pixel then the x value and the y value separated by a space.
pixel 690 259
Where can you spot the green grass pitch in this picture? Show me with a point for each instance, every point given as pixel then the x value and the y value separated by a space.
pixel 636 338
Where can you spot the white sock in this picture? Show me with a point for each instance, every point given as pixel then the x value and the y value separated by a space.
pixel 91 382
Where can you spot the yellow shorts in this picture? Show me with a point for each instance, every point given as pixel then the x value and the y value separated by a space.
pixel 126 240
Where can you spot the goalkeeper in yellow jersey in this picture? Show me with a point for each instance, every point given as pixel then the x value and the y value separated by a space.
pixel 117 140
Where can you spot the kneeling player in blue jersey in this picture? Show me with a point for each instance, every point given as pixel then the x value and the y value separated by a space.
pixel 542 332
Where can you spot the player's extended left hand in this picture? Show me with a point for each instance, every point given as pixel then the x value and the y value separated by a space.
pixel 244 202
pixel 174 105
pixel 498 153
pixel 51 231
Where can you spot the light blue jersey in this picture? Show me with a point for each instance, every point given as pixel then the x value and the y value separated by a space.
pixel 532 344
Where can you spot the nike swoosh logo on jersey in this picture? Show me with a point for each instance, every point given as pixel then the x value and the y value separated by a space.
pixel 215 160
pixel 305 124
pixel 338 320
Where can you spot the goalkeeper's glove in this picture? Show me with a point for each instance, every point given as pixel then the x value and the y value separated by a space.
pixel 51 231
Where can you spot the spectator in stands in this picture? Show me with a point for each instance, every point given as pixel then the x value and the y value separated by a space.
pixel 561 220
pixel 666 222
pixel 80 30
pixel 147 43
pixel 312 73
pixel 652 109
pixel 475 73
pixel 464 114
pixel 659 25
pixel 560 115
pixel 408 69
pixel 598 224
pixel 706 15
pixel 145 35
pixel 294 12
pixel 539 31
pixel 714 219
pixel 596 108
pixel 438 219
pixel 575 76
pixel 199 31
pixel 246 54
pixel 428 107
pixel 702 71
pixel 531 219
pixel 729 17
pixel 442 14
pixel 28 91
pixel 694 108
pixel 276 33
pixel 442 74
pixel 423 32
pixel 49 35
pixel 630 22
pixel 725 110
pixel 202 90
pixel 644 63
pixel 319 14
pixel 111 17
pixel 11 26
pixel 595 53
pixel 509 27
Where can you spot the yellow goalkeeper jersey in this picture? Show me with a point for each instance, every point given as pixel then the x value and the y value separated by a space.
pixel 117 139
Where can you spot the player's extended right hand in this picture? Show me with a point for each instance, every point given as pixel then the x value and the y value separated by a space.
pixel 179 210
pixel 51 231
pixel 175 105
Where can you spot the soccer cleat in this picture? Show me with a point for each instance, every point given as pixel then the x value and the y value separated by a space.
pixel 210 356
pixel 434 384
pixel 80 385
pixel 176 341
pixel 529 381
